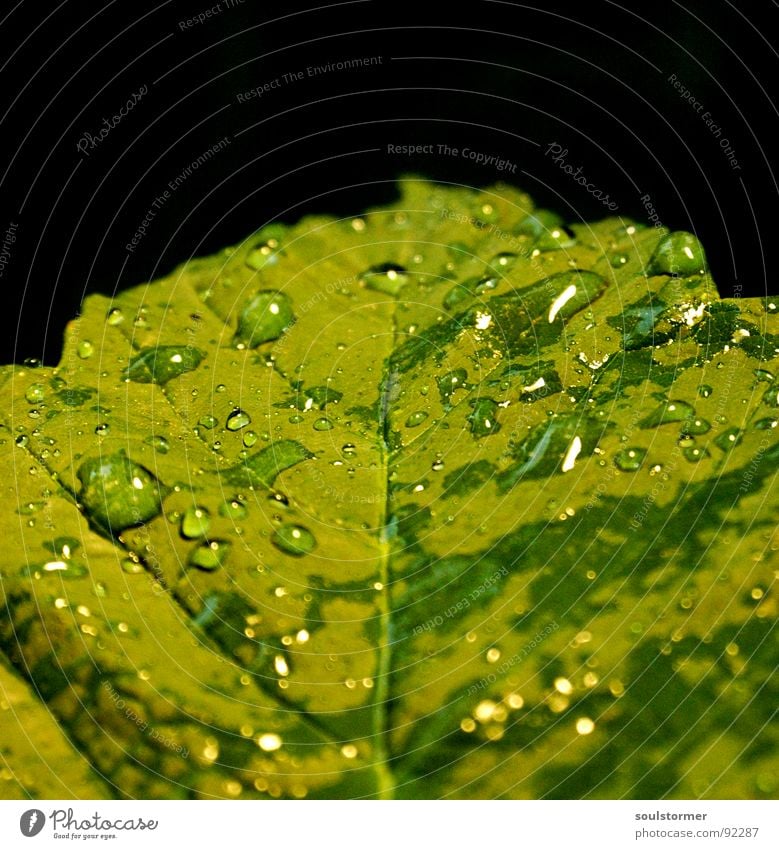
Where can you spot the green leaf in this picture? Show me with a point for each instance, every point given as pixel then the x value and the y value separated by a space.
pixel 444 501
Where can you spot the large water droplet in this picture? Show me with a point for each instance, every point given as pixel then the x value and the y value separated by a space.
pixel 117 493
pixel 195 522
pixel 416 419
pixel 678 253
pixel 237 419
pixel 450 382
pixel 264 318
pixel 36 393
pixel 386 277
pixel 85 349
pixel 234 510
pixel 294 539
pixel 629 459
pixel 771 397
pixel 266 249
pixel 483 419
pixel 210 555
pixel 668 411
pixel 163 363
pixel 728 439
pixel 159 443
pixel 693 454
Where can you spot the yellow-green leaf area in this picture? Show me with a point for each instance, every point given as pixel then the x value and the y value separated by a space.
pixel 449 500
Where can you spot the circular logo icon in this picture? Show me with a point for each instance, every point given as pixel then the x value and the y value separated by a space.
pixel 31 822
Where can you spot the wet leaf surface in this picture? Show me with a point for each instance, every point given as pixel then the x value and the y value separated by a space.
pixel 444 501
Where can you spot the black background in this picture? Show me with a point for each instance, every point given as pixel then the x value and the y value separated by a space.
pixel 503 78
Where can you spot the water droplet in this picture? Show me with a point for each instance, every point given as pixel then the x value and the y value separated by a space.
pixel 22 440
pixel 208 421
pixel 349 450
pixel 118 493
pixel 766 424
pixel 115 316
pixel 630 459
pixel 323 424
pixel 450 382
pixel 237 419
pixel 103 429
pixel 386 277
pixel 36 393
pixel 233 510
pixel 210 555
pixel 618 259
pixel 705 391
pixel 504 261
pixel 416 419
pixel 195 522
pixel 764 375
pixel 264 318
pixel 159 443
pixel 771 397
pixel 267 248
pixel 695 427
pixel 679 253
pixel 694 454
pixel 437 466
pixel 163 363
pixel 296 418
pixel 250 438
pixel 728 439
pixel 294 539
pixel 85 349
pixel 132 566
pixel 668 411
pixel 483 419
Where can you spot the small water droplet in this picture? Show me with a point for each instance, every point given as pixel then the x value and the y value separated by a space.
pixel 250 438
pixel 349 450
pixel 323 424
pixel 103 429
pixel 766 424
pixel 618 259
pixel 438 465
pixel 294 539
pixel 115 316
pixel 22 440
pixel 705 391
pixel 208 421
pixel 85 349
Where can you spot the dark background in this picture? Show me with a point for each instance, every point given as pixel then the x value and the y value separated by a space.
pixel 502 78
